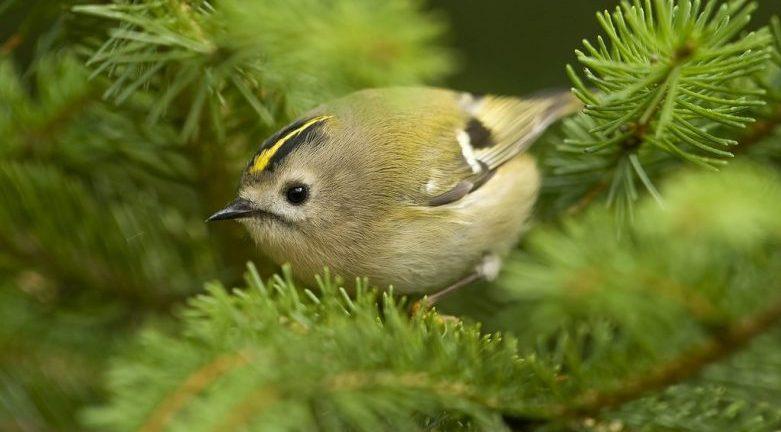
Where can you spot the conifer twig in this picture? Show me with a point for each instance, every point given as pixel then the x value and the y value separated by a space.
pixel 755 134
pixel 592 194
pixel 11 43
pixel 190 387
pixel 652 97
pixel 686 365
pixel 759 131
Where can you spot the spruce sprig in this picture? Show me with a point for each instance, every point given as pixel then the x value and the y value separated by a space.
pixel 102 210
pixel 589 343
pixel 277 356
pixel 101 223
pixel 665 82
pixel 186 52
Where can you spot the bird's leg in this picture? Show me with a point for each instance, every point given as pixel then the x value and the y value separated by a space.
pixel 487 270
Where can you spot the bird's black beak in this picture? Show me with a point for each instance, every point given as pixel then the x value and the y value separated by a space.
pixel 238 209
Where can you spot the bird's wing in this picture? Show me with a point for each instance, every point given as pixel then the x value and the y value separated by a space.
pixel 499 128
pixel 496 129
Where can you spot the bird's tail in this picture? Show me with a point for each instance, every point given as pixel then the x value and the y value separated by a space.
pixel 562 103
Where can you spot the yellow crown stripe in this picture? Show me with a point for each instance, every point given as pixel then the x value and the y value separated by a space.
pixel 263 159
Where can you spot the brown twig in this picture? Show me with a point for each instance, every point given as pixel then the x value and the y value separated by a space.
pixel 755 134
pixel 11 43
pixel 190 388
pixel 759 131
pixel 243 413
pixel 593 193
pixel 686 365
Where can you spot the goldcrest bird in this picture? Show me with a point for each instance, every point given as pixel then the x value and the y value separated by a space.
pixel 421 189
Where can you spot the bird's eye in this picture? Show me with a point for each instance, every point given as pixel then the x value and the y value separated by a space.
pixel 297 194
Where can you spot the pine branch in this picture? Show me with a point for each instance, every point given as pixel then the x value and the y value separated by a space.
pixel 688 364
pixel 740 393
pixel 10 44
pixel 213 55
pixel 99 248
pixel 757 133
pixel 601 327
pixel 191 387
pixel 572 272
pixel 225 83
pixel 51 350
pixel 613 322
pixel 670 79
pixel 760 131
pixel 280 317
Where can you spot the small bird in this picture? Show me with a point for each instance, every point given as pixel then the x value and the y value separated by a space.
pixel 422 189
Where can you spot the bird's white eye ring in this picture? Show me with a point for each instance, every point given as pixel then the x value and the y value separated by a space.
pixel 297 194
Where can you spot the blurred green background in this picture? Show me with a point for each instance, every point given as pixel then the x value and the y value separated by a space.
pixel 517 47
pixel 502 46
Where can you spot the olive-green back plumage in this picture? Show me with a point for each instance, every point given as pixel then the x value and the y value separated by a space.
pixel 457 137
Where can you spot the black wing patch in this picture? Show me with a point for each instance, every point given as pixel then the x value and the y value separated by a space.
pixel 514 124
pixel 479 136
pixel 496 129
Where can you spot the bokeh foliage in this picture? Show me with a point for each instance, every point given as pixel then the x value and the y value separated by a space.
pixel 126 122
pixel 272 355
pixel 124 125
